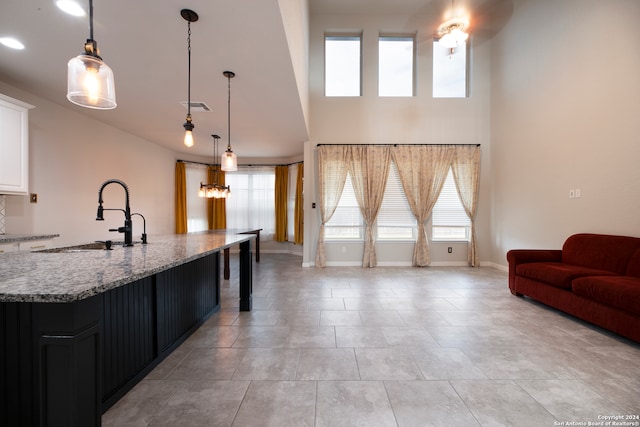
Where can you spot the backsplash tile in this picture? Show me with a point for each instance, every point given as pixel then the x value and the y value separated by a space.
pixel 2 213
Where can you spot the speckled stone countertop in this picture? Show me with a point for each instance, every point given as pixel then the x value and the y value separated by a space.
pixel 14 238
pixel 72 276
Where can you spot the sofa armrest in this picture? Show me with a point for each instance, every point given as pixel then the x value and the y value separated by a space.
pixel 523 256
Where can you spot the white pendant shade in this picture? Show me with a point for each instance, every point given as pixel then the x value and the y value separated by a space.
pixel 90 83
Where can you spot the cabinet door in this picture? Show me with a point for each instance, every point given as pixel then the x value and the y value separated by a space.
pixel 14 146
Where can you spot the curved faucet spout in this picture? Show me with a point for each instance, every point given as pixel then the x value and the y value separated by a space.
pixel 128 225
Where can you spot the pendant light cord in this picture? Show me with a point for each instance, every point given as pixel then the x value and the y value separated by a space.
pixel 189 69
pixel 228 113
pixel 91 19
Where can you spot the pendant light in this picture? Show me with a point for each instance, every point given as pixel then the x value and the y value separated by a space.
pixel 189 16
pixel 89 80
pixel 229 161
pixel 215 190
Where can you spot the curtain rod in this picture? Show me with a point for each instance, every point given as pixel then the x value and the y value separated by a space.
pixel 249 165
pixel 395 145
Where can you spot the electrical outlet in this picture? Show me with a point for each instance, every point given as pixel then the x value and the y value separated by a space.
pixel 33 198
pixel 450 249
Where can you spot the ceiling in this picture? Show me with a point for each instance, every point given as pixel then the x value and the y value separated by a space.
pixel 145 44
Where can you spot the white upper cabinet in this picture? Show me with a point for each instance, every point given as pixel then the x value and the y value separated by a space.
pixel 14 146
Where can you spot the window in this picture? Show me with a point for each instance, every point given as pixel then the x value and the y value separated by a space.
pixel 196 206
pixel 252 201
pixel 448 218
pixel 342 65
pixel 395 66
pixel 291 201
pixel 449 71
pixel 395 220
pixel 346 222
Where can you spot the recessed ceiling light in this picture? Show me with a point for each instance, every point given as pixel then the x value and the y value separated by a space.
pixel 71 7
pixel 11 42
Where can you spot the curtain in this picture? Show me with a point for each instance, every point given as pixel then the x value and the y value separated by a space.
pixel 282 182
pixel 422 171
pixel 466 173
pixel 369 168
pixel 298 233
pixel 216 208
pixel 333 162
pixel 181 198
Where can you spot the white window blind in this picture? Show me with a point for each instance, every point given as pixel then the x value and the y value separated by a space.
pixel 291 200
pixel 448 218
pixel 346 223
pixel 395 220
pixel 196 206
pixel 252 201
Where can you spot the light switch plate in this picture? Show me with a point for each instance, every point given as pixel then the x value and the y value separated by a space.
pixel 33 198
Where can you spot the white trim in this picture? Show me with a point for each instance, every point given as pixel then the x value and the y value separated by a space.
pixel 500 267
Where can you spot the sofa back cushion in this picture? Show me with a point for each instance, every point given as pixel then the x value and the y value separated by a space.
pixel 601 251
pixel 633 269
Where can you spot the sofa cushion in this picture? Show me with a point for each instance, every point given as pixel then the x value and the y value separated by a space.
pixel 633 269
pixel 600 251
pixel 622 292
pixel 557 274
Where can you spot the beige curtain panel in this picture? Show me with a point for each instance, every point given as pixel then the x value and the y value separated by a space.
pixel 369 169
pixel 422 171
pixel 333 163
pixel 466 173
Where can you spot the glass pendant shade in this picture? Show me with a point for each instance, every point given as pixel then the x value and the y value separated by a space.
pixel 229 161
pixel 90 83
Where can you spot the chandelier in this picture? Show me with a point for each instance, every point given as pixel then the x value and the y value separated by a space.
pixel 215 190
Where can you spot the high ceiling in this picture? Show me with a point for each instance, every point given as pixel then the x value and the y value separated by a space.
pixel 145 44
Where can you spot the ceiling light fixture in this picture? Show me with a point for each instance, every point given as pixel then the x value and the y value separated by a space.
pixel 453 33
pixel 189 16
pixel 11 43
pixel 71 7
pixel 229 160
pixel 89 79
pixel 215 190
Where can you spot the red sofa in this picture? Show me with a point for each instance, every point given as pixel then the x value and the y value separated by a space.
pixel 594 277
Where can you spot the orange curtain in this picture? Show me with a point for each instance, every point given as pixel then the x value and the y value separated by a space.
pixel 282 180
pixel 216 208
pixel 181 198
pixel 298 227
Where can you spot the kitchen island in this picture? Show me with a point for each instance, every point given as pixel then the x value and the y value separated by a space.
pixel 80 327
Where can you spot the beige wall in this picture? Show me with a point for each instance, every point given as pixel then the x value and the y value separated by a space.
pixel 70 156
pixel 565 110
pixel 370 119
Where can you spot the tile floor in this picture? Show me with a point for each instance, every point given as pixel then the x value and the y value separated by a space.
pixel 388 346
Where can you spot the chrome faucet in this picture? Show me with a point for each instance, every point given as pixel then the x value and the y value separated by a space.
pixel 128 224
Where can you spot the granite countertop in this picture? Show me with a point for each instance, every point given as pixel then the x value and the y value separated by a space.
pixel 15 238
pixel 72 276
